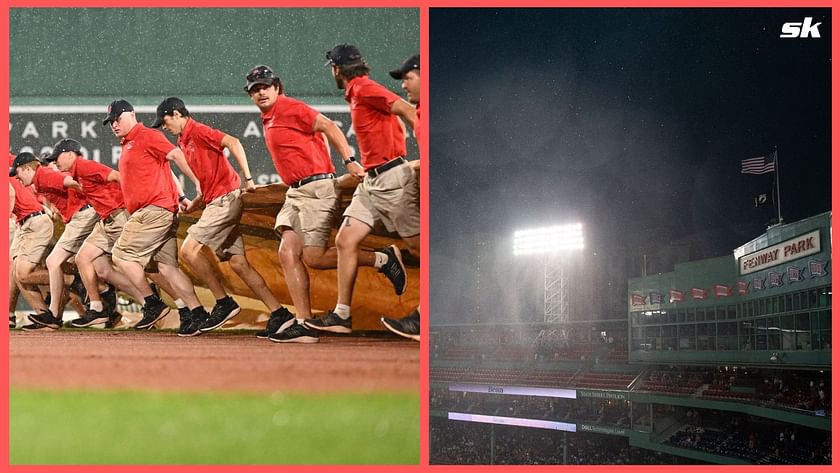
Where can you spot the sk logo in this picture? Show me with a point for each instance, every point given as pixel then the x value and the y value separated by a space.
pixel 803 29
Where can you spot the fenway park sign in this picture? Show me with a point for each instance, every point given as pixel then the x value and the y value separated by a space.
pixel 789 250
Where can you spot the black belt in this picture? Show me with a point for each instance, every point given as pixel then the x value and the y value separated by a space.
pixel 312 178
pixel 33 214
pixel 85 207
pixel 389 165
pixel 110 218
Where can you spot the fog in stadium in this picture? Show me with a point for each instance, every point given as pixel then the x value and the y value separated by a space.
pixel 634 123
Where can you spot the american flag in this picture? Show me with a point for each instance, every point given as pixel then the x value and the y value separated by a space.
pixel 775 279
pixel 697 293
pixel 758 283
pixel 759 165
pixel 743 287
pixel 638 299
pixel 794 273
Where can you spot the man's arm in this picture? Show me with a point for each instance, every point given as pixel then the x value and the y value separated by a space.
pixel 233 145
pixel 70 183
pixel 404 110
pixel 11 200
pixel 339 142
pixel 177 156
pixel 113 176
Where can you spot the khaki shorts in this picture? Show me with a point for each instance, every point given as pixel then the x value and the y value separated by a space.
pixel 218 227
pixel 310 211
pixel 77 230
pixel 392 198
pixel 150 233
pixel 106 232
pixel 33 239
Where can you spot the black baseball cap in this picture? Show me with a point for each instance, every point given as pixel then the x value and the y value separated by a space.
pixel 169 105
pixel 20 160
pixel 116 109
pixel 64 146
pixel 344 55
pixel 261 74
pixel 409 64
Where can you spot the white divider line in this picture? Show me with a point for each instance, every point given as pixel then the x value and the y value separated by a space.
pixel 49 109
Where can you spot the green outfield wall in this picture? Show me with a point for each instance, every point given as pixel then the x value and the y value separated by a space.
pixel 83 54
pixel 67 65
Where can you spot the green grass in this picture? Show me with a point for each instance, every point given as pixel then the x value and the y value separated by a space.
pixel 107 428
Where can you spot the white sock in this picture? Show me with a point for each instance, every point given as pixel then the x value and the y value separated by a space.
pixel 381 258
pixel 97 306
pixel 342 311
pixel 179 303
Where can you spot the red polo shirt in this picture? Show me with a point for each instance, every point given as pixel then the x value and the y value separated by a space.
pixel 104 196
pixel 202 145
pixel 50 184
pixel 297 151
pixel 145 175
pixel 25 200
pixel 378 132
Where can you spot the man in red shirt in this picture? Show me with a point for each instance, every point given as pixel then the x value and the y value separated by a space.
pixel 33 235
pixel 389 192
pixel 409 75
pixel 218 227
pixel 151 197
pixel 102 190
pixel 79 217
pixel 294 135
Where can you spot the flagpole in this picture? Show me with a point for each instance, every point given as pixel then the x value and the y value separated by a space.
pixel 778 193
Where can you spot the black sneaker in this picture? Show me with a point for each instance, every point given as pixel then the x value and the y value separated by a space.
pixel 90 317
pixel 33 327
pixel 152 313
pixel 45 317
pixel 12 321
pixel 78 287
pixel 331 323
pixel 297 333
pixel 198 318
pixel 113 319
pixel 109 299
pixel 408 326
pixel 394 269
pixel 185 316
pixel 280 320
pixel 224 310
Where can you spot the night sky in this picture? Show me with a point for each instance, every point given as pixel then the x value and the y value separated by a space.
pixel 633 121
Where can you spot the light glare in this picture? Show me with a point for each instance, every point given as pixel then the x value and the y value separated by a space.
pixel 548 239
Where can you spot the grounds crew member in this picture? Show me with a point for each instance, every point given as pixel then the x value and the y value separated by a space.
pixel 389 191
pixel 79 218
pixel 293 135
pixel 409 75
pixel 218 227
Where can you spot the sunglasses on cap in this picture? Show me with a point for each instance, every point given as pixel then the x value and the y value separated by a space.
pixel 260 73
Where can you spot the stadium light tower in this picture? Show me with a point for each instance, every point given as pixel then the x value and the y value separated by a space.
pixel 551 242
